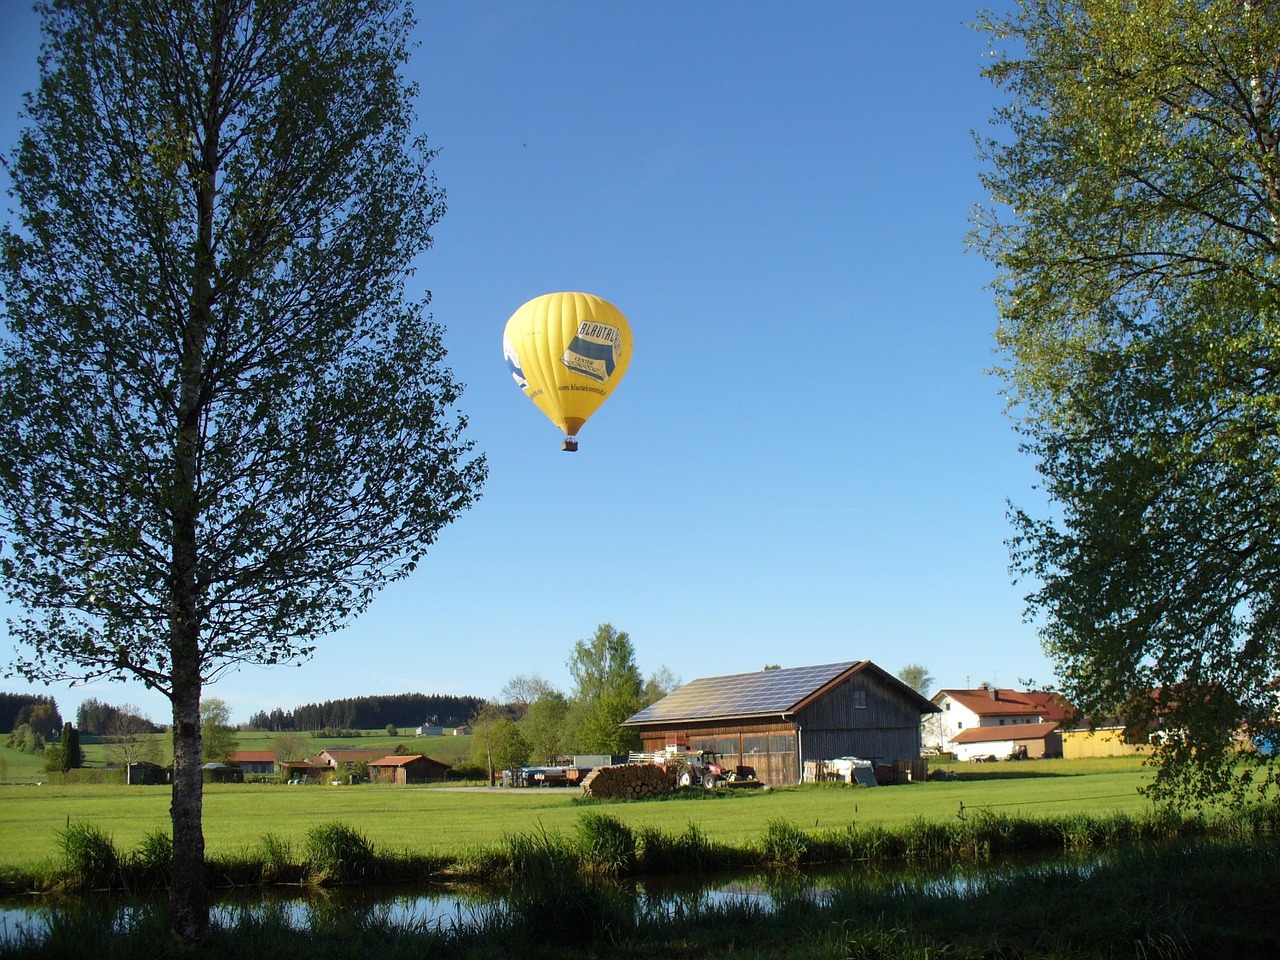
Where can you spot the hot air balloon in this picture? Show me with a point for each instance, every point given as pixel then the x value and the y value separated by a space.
pixel 567 351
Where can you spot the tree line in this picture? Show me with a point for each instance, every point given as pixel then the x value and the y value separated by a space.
pixel 39 713
pixel 370 713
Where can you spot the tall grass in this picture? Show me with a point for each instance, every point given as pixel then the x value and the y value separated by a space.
pixel 603 845
pixel 90 860
pixel 1147 901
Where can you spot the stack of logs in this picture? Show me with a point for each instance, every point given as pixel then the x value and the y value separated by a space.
pixel 628 781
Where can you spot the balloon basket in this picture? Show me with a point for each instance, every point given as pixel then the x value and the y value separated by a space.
pixel 570 445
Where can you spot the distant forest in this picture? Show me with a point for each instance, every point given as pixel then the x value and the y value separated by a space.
pixel 371 713
pixel 40 712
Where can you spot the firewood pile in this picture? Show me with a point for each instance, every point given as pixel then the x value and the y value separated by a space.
pixel 628 781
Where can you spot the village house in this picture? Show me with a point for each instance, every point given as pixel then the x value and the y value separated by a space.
pixel 974 723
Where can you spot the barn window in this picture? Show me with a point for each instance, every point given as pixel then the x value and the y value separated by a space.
pixel 755 745
pixel 859 699
pixel 782 743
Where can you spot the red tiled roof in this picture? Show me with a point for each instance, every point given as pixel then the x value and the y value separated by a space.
pixel 352 756
pixel 1012 703
pixel 253 756
pixel 1015 731
pixel 396 761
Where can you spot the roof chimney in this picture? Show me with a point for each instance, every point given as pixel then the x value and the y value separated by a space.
pixel 995 692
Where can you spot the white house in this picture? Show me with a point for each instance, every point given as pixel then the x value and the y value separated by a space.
pixel 995 707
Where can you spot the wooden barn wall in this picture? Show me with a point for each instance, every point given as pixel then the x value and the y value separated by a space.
pixel 834 725
pixel 738 743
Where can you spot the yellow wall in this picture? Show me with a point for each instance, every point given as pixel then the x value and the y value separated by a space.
pixel 1078 744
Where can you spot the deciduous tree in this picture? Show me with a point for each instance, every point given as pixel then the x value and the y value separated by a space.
pixel 917 677
pixel 225 425
pixel 1134 217
pixel 607 690
pixel 543 726
pixel 217 736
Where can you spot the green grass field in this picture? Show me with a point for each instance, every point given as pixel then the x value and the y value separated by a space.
pixel 441 821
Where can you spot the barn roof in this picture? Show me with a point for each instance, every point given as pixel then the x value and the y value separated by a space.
pixel 762 693
pixel 1016 731
pixel 396 761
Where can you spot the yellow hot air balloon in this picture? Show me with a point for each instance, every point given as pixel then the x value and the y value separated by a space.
pixel 567 351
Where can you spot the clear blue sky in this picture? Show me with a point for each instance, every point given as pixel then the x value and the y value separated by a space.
pixel 806 462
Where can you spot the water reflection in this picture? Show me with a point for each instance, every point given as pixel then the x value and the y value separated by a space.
pixel 456 908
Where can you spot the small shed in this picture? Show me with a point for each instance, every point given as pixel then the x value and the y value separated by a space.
pixel 303 770
pixel 144 773
pixel 410 769
pixel 222 773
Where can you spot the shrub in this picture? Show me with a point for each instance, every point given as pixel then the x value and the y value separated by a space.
pixel 605 844
pixel 337 853
pixel 152 861
pixel 276 855
pixel 784 842
pixel 89 858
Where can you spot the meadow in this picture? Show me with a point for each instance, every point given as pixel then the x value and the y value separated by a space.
pixel 434 820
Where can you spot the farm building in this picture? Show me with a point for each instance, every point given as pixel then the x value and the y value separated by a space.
pixel 775 720
pixel 336 757
pixel 411 769
pixel 254 761
pixel 1031 741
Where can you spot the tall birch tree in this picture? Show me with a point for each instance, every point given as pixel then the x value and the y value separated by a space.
pixel 225 425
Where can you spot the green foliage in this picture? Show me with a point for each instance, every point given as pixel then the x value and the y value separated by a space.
pixel 785 843
pixel 217 735
pixel 226 425
pixel 607 690
pixel 151 862
pixel 336 853
pixel 53 758
pixel 543 726
pixel 917 677
pixel 276 856
pixel 1135 197
pixel 71 756
pixel 90 860
pixel 32 709
pixel 606 845
pixel 497 743
pixel 25 738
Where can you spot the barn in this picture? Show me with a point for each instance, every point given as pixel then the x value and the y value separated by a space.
pixel 775 720
pixel 409 769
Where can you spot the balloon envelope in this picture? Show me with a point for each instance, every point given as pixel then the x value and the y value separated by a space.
pixel 567 352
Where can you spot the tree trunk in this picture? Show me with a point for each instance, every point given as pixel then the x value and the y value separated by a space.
pixel 188 896
pixel 188 893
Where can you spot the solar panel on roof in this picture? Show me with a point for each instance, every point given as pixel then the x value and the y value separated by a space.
pixel 742 694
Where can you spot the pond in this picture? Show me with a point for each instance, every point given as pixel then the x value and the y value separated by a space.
pixel 475 908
